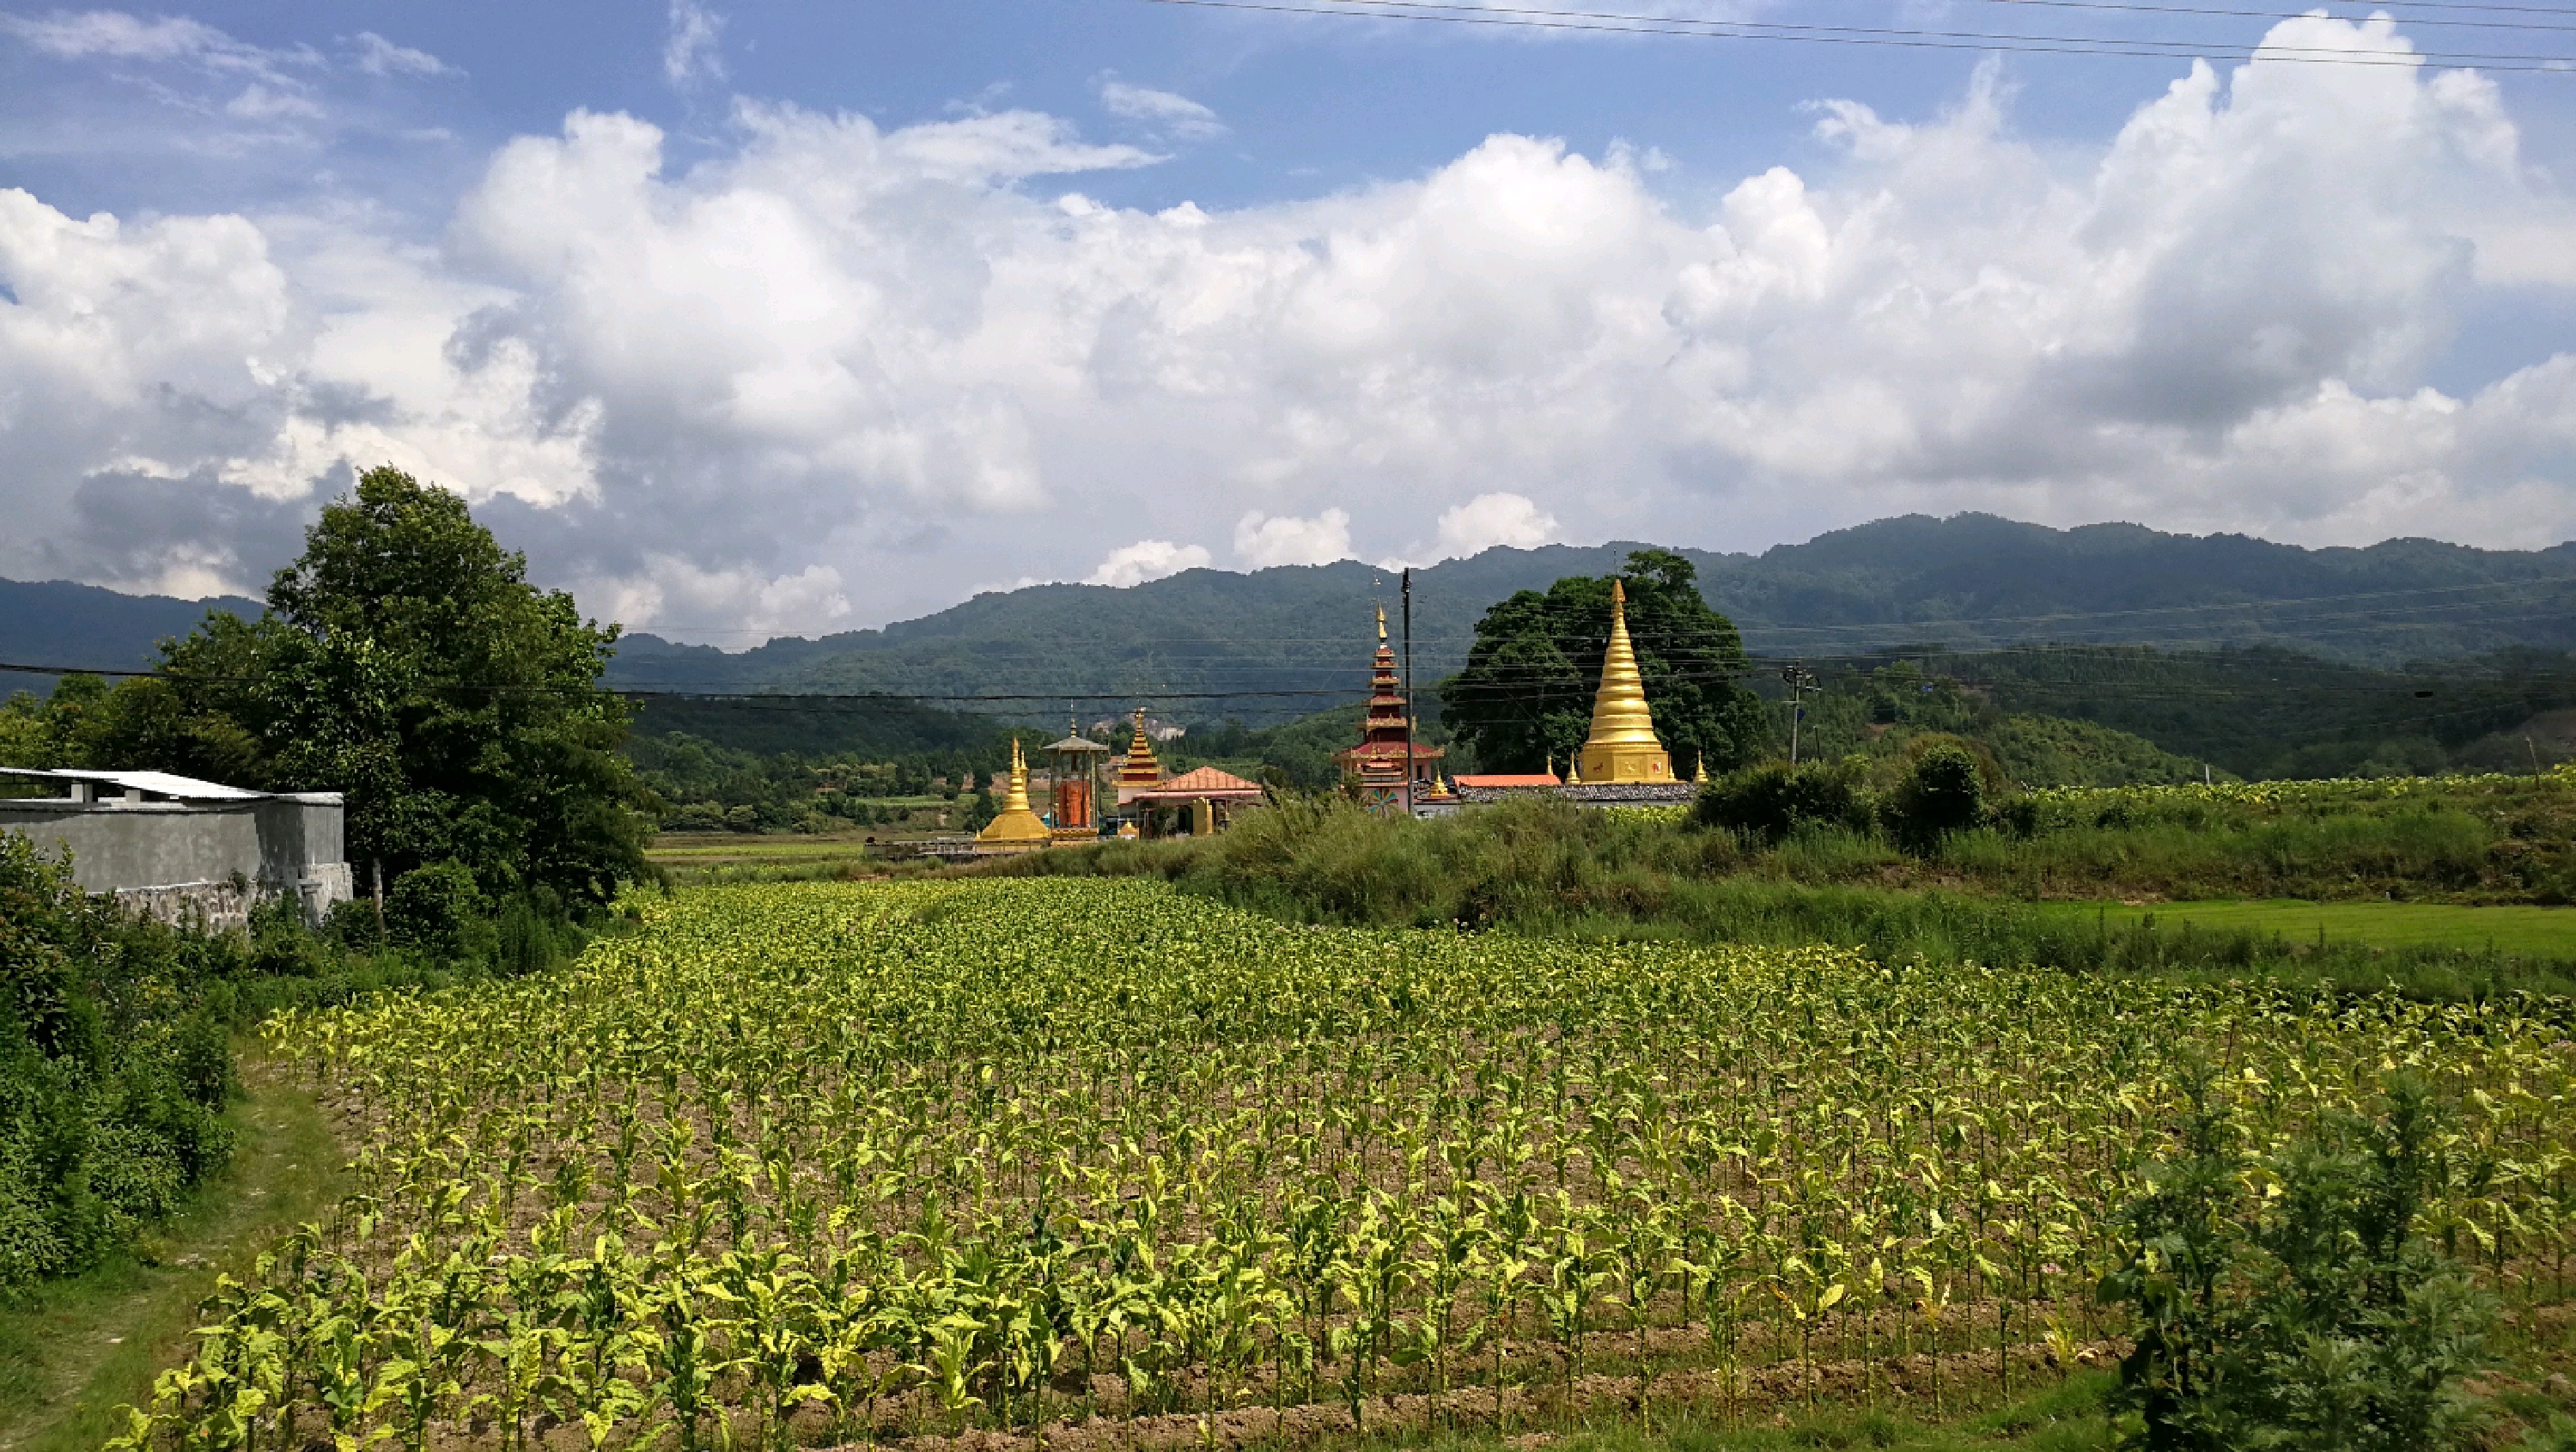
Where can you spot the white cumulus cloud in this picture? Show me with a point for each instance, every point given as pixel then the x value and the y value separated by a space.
pixel 1147 559
pixel 911 356
pixel 1263 540
pixel 1493 519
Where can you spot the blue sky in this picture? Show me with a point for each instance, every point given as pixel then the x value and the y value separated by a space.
pixel 753 317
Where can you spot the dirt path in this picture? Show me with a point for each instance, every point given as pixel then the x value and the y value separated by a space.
pixel 75 1350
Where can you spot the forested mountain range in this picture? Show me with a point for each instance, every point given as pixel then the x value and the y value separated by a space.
pixel 1968 582
pixel 2265 659
pixel 55 622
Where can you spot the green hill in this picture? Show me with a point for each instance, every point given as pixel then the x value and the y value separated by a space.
pixel 1210 643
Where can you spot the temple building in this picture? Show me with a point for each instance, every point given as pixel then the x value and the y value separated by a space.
pixel 1196 803
pixel 1015 828
pixel 1623 747
pixel 1074 767
pixel 1376 770
pixel 1138 770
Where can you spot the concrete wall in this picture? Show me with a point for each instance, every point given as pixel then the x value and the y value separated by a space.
pixel 207 861
pixel 153 844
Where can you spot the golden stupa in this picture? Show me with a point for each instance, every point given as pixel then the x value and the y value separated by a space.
pixel 1623 746
pixel 1699 769
pixel 1015 828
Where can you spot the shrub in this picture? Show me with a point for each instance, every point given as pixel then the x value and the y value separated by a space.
pixel 434 908
pixel 109 1100
pixel 1944 793
pixel 1771 801
pixel 2311 1316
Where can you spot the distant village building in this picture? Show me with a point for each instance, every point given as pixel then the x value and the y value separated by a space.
pixel 184 850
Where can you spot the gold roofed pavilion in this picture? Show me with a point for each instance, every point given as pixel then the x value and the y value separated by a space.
pixel 1015 828
pixel 1623 746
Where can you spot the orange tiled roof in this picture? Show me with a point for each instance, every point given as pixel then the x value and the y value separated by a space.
pixel 1209 779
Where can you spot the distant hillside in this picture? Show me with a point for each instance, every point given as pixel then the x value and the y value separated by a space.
pixel 55 622
pixel 1967 582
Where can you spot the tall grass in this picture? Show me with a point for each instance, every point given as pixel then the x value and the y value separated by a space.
pixel 1548 869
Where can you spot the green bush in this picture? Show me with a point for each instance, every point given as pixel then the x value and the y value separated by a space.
pixel 110 1105
pixel 1943 793
pixel 434 910
pixel 1773 800
pixel 2312 1315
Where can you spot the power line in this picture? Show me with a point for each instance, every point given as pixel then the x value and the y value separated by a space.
pixel 1900 37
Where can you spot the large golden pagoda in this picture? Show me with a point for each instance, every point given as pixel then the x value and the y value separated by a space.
pixel 1015 828
pixel 1623 746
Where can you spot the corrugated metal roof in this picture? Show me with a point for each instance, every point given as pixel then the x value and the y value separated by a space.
pixel 156 783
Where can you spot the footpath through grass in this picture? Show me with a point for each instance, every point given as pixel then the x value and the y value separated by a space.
pixel 73 1350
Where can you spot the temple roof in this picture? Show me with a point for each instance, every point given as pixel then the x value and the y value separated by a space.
pixel 1421 750
pixel 1074 743
pixel 1205 782
pixel 1209 779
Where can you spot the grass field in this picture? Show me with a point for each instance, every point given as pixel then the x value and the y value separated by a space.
pixel 2537 932
pixel 698 859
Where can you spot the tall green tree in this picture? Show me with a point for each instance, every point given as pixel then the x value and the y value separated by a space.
pixel 406 661
pixel 1526 694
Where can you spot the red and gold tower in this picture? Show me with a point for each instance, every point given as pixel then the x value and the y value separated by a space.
pixel 1378 768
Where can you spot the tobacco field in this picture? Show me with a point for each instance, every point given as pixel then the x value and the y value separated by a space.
pixel 823 1163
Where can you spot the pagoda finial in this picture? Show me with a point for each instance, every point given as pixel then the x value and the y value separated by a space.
pixel 1381 625
pixel 1623 745
pixel 1699 769
pixel 1018 800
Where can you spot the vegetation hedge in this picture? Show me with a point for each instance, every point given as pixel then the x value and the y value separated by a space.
pixel 116 1059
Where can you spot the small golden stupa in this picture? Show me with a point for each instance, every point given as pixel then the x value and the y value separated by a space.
pixel 1699 770
pixel 1015 828
pixel 1623 746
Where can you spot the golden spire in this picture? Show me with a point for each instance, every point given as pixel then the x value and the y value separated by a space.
pixel 1014 828
pixel 1699 769
pixel 1574 771
pixel 1018 800
pixel 1623 746
pixel 1381 625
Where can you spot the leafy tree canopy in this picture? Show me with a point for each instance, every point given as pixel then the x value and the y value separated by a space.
pixel 406 661
pixel 1526 694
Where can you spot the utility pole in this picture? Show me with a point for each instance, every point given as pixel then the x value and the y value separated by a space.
pixel 1407 591
pixel 1800 682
